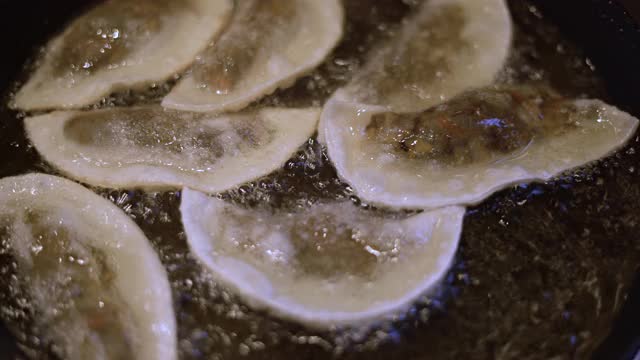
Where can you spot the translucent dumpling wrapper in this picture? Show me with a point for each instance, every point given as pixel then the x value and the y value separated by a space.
pixel 463 150
pixel 268 45
pixel 330 265
pixel 92 277
pixel 150 147
pixel 447 47
pixel 118 45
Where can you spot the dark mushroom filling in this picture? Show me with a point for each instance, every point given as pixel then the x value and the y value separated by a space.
pixel 479 126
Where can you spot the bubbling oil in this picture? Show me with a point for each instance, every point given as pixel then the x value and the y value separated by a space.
pixel 541 271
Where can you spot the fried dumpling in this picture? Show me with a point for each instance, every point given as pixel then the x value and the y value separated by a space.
pixel 89 272
pixel 463 150
pixel 121 44
pixel 268 45
pixel 152 147
pixel 328 265
pixel 447 47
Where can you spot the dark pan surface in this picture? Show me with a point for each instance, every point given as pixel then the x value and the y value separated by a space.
pixel 543 271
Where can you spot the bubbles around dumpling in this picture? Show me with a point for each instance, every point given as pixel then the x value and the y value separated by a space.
pixel 465 149
pixel 91 275
pixel 150 147
pixel 328 265
pixel 268 45
pixel 121 44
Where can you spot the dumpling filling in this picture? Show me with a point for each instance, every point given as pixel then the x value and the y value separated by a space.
pixel 479 126
pixel 326 242
pixel 70 283
pixel 165 136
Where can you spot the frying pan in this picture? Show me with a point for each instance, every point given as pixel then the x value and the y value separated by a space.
pixel 603 29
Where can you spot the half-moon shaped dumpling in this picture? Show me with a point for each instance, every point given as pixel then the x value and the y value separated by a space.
pixel 151 147
pixel 463 150
pixel 268 44
pixel 92 277
pixel 121 44
pixel 447 47
pixel 328 265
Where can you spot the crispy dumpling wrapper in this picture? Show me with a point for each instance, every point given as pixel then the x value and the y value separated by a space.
pixel 268 45
pixel 150 147
pixel 330 265
pixel 121 44
pixel 462 151
pixel 95 282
